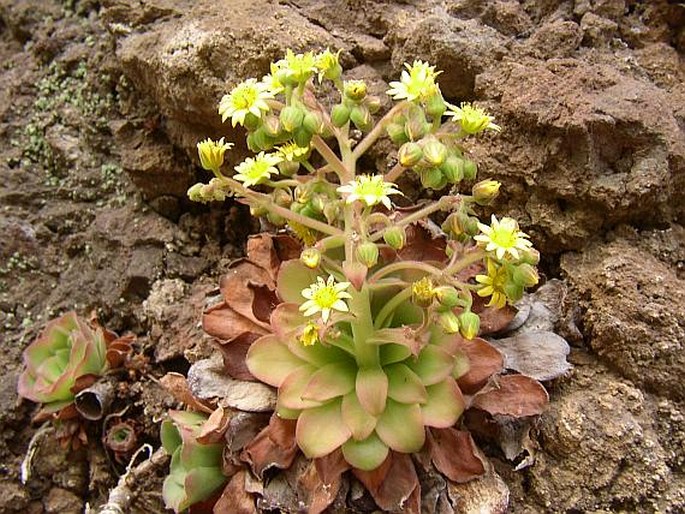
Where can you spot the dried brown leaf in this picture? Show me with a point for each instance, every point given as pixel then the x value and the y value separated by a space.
pixel 214 428
pixel 484 361
pixel 177 386
pixel 234 352
pixel 235 499
pixel 454 454
pixel 274 446
pixel 513 395
pixel 320 483
pixel 394 484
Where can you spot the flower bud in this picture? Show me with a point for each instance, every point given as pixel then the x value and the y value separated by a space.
pixel 469 324
pixel 434 152
pixel 396 133
pixel 340 114
pixel 261 139
pixel 525 275
pixel 367 254
pixel 436 106
pixel 449 322
pixel 252 122
pixel 288 168
pixel 272 126
pixel 355 90
pixel 310 257
pixel 453 169
pixel 313 123
pixel 276 219
pixel 513 290
pixel 471 226
pixel 395 237
pixel 432 178
pixel 212 153
pixel 257 211
pixel 485 191
pixel 531 256
pixel 361 117
pixel 291 118
pixel 454 223
pixel 373 103
pixel 470 169
pixel 195 192
pixel 447 296
pixel 331 211
pixel 422 292
pixel 415 128
pixel 409 154
pixel 282 197
pixel 302 137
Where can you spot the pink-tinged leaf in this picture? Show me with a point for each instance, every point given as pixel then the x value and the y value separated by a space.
pixel 405 336
pixel 202 482
pixel 331 381
pixel 454 454
pixel 401 427
pixel 367 454
pixel 372 389
pixel 177 386
pixel 513 395
pixel 290 393
pixel 484 361
pixel 355 273
pixel 271 361
pixel 321 430
pixel 293 278
pixel 274 446
pixel 392 353
pixel 404 385
pixel 461 364
pixel 444 406
pixel 286 320
pixel 360 422
pixel 433 365
pixel 215 427
pixel 318 354
pixel 394 485
pixel 448 342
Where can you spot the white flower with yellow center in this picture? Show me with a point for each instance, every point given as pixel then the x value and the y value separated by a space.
pixel 212 153
pixel 471 118
pixel 299 67
pixel 493 285
pixel 325 296
pixel 503 237
pixel 255 171
pixel 248 97
pixel 328 64
pixel 271 81
pixel 370 189
pixel 417 82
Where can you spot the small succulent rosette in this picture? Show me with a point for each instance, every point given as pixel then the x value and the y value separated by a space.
pixel 195 473
pixel 67 354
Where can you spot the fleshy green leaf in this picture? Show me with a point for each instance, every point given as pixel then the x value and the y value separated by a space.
pixel 433 365
pixel 391 353
pixel 290 394
pixel 444 406
pixel 331 381
pixel 271 361
pixel 170 437
pixel 367 454
pixel 321 430
pixel 200 483
pixel 360 422
pixel 372 389
pixel 318 354
pixel 293 278
pixel 286 319
pixel 404 385
pixel 401 427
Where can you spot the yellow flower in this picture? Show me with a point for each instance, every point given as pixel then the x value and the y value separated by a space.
pixel 212 153
pixel 310 334
pixel 371 190
pixel 472 119
pixel 292 152
pixel 254 171
pixel 299 67
pixel 328 64
pixel 423 292
pixel 271 80
pixel 493 285
pixel 248 97
pixel 417 82
pixel 503 237
pixel 325 296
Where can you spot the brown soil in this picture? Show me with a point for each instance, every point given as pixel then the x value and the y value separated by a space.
pixel 101 104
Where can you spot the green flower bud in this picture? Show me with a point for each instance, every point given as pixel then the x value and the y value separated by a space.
pixel 469 324
pixel 396 133
pixel 434 152
pixel 485 191
pixel 251 145
pixel 310 257
pixel 367 254
pixel 282 197
pixel 454 223
pixel 449 322
pixel 276 219
pixel 262 140
pixel 373 103
pixel 513 291
pixel 355 90
pixel 272 126
pixel 331 211
pixel 291 118
pixel 195 192
pixel 409 154
pixel 252 122
pixel 313 122
pixel 453 169
pixel 436 106
pixel 361 117
pixel 288 168
pixel 340 114
pixel 471 226
pixel 432 178
pixel 470 169
pixel 447 296
pixel 531 256
pixel 395 237
pixel 302 137
pixel 415 128
pixel 257 211
pixel 525 275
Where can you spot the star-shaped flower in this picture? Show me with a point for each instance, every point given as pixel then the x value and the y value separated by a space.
pixel 255 171
pixel 503 237
pixel 493 284
pixel 370 189
pixel 472 119
pixel 248 97
pixel 417 82
pixel 325 296
pixel 212 153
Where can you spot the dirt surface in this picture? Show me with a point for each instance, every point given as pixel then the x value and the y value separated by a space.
pixel 102 103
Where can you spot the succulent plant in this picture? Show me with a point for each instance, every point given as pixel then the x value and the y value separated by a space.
pixel 67 352
pixel 195 472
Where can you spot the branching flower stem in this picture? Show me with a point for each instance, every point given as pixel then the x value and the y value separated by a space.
pixel 377 131
pixel 329 155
